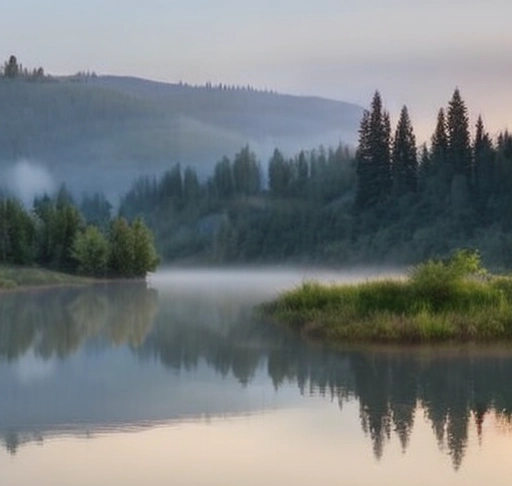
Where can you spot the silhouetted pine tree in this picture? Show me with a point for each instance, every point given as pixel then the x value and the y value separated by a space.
pixel 459 146
pixel 439 150
pixel 364 169
pixel 404 157
pixel 483 154
pixel 373 156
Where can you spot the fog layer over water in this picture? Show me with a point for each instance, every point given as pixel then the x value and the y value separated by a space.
pixel 257 284
pixel 182 370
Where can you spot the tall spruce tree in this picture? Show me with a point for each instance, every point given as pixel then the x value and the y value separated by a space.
pixel 381 146
pixel 439 150
pixel 483 154
pixel 373 157
pixel 364 195
pixel 279 174
pixel 404 156
pixel 459 145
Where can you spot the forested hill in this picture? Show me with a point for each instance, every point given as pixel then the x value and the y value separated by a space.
pixel 101 131
pixel 257 114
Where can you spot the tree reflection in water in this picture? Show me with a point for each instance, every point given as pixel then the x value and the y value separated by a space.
pixel 454 387
pixel 56 323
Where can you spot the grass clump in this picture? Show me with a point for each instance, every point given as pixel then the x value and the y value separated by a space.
pixel 441 300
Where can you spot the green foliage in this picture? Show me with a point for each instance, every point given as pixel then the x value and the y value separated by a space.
pixel 441 300
pixel 145 256
pixel 404 159
pixel 122 249
pixel 17 233
pixel 54 236
pixel 459 147
pixel 328 206
pixel 91 250
pixel 373 156
pixel 462 264
pixel 58 221
pixel 131 249
pixel 246 173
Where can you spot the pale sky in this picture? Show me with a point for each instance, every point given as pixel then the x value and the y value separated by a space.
pixel 414 51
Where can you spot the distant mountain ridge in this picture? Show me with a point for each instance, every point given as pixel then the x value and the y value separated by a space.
pixel 99 132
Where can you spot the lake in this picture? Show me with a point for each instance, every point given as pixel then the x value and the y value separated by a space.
pixel 180 382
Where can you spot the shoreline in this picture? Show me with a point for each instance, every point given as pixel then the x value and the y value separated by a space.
pixel 454 301
pixel 33 279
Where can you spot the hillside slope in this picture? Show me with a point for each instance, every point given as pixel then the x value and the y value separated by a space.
pixel 101 132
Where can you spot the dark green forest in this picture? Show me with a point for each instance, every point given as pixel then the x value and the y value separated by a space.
pixel 59 235
pixel 389 201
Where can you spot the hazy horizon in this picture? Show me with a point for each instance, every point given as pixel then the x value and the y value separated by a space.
pixel 415 53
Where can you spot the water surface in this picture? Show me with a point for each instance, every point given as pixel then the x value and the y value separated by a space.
pixel 179 382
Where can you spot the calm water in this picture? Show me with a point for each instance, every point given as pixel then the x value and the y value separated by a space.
pixel 177 383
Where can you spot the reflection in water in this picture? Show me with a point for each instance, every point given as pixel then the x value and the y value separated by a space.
pixel 456 389
pixel 56 323
pixel 453 387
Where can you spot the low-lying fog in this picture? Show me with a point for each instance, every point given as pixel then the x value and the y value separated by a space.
pixel 259 283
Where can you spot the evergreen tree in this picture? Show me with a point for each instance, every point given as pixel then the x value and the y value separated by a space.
pixel 191 186
pixel 373 156
pixel 439 150
pixel 17 233
pixel 246 173
pixel 404 156
pixel 301 172
pixel 58 221
pixel 365 174
pixel 380 130
pixel 459 146
pixel 12 68
pixel 170 189
pixel 279 174
pixel 223 179
pixel 483 153
pixel 436 171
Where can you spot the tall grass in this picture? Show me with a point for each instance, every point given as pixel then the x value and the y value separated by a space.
pixel 440 301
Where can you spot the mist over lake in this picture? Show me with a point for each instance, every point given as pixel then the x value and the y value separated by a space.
pixel 182 367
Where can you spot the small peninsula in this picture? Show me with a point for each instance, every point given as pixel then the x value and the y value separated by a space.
pixel 453 300
pixel 57 243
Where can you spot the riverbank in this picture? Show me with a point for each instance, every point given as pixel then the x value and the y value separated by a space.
pixel 19 278
pixel 455 300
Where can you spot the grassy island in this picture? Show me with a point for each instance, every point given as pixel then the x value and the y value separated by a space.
pixel 450 300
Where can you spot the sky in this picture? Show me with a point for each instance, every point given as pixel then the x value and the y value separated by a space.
pixel 414 51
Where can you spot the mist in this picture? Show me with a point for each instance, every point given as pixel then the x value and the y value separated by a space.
pixel 27 179
pixel 257 284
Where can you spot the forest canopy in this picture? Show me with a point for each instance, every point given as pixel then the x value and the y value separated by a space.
pixel 57 235
pixel 389 201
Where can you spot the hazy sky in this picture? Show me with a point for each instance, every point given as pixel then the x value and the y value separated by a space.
pixel 414 51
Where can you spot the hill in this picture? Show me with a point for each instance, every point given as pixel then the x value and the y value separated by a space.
pixel 101 132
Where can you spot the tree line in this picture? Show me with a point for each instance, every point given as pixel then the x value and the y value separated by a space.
pixel 387 201
pixel 57 235
pixel 12 69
